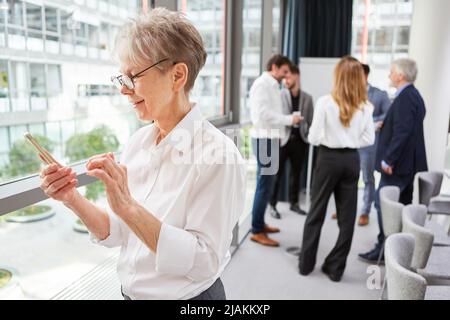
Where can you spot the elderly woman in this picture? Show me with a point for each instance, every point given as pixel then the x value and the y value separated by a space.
pixel 179 189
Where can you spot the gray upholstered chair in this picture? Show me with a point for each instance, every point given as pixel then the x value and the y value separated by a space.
pixel 429 189
pixel 431 262
pixel 391 212
pixel 402 282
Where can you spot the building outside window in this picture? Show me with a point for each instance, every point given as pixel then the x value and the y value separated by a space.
pixel 209 18
pixel 381 31
pixel 251 52
pixel 276 21
pixel 40 93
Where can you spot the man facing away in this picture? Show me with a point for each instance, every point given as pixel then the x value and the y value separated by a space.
pixel 269 124
pixel 295 144
pixel 401 145
pixel 381 104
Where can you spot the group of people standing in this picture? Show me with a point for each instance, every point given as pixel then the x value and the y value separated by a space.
pixel 354 128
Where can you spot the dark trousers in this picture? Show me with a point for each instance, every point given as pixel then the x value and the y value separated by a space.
pixel 336 171
pixel 294 151
pixel 267 156
pixel 406 185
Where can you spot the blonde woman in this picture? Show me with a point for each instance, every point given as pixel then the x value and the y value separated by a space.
pixel 342 123
pixel 180 186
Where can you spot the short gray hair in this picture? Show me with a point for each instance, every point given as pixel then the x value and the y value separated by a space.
pixel 406 67
pixel 162 34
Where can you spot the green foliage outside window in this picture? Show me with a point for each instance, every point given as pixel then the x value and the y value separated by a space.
pixel 24 159
pixel 245 147
pixel 84 145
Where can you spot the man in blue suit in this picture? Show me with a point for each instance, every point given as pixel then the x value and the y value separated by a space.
pixel 401 145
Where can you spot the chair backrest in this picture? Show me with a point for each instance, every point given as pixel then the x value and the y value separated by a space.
pixel 429 185
pixel 391 210
pixel 414 217
pixel 402 283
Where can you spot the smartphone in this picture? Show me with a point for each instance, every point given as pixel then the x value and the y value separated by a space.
pixel 44 154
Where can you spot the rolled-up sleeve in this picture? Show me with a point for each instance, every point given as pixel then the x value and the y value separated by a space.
pixel 214 207
pixel 114 238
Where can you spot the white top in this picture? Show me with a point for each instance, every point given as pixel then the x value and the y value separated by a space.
pixel 194 182
pixel 266 110
pixel 327 129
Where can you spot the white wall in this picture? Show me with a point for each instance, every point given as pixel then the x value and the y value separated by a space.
pixel 430 47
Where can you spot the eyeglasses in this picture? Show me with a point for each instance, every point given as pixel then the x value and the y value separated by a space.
pixel 124 80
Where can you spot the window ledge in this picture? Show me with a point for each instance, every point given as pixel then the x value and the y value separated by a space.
pixel 21 193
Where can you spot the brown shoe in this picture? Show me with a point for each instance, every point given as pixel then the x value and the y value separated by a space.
pixel 263 239
pixel 363 220
pixel 334 215
pixel 268 229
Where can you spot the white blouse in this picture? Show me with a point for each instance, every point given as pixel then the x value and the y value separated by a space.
pixel 328 130
pixel 194 182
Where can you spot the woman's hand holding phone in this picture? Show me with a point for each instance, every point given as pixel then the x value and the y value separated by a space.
pixel 59 183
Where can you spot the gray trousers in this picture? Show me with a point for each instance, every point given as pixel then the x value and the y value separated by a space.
pixel 215 292
pixel 367 158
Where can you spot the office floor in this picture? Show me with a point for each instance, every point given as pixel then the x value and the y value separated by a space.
pixel 258 272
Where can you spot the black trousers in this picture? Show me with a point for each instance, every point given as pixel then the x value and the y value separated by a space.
pixel 336 171
pixel 295 151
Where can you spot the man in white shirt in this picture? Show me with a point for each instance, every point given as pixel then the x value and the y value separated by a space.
pixel 269 126
pixel 294 146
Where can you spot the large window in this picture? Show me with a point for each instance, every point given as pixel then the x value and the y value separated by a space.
pixel 251 52
pixel 209 18
pixel 276 25
pixel 50 49
pixel 381 34
pixel 40 93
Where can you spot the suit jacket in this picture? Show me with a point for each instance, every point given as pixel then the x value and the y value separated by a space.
pixel 401 142
pixel 305 107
